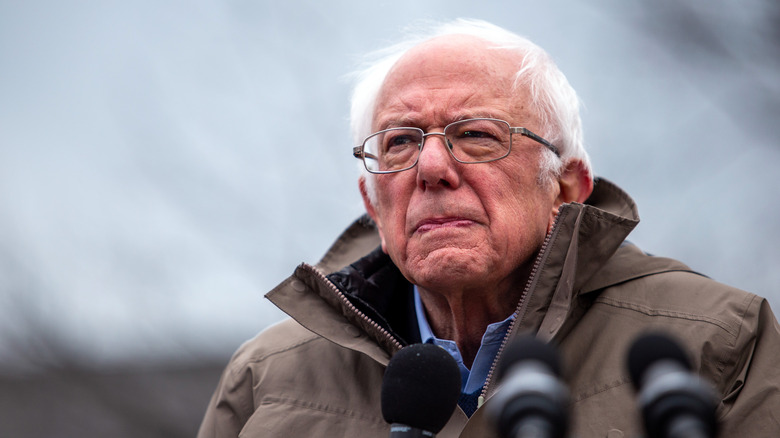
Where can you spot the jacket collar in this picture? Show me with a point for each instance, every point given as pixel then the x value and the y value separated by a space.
pixel 581 243
pixel 572 263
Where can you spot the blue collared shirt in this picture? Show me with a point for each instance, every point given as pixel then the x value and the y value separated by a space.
pixel 471 380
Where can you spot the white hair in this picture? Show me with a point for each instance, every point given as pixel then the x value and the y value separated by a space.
pixel 552 97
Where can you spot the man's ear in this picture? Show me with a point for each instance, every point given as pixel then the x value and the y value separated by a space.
pixel 576 183
pixel 370 209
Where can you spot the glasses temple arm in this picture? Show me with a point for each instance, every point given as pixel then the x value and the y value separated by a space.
pixel 358 152
pixel 535 137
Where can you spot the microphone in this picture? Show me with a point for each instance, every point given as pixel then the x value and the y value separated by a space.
pixel 675 402
pixel 420 390
pixel 532 401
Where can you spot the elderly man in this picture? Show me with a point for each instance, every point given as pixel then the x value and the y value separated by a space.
pixel 485 223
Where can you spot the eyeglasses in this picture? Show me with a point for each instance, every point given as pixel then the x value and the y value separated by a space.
pixel 469 141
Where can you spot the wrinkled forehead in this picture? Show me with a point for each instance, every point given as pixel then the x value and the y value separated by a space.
pixel 469 68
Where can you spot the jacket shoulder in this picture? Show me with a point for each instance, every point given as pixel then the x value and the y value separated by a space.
pixel 279 338
pixel 290 379
pixel 721 327
pixel 663 287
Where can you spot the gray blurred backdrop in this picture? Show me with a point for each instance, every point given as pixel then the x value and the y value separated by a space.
pixel 165 163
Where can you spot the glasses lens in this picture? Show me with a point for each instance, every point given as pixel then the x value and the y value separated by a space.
pixel 392 149
pixel 478 140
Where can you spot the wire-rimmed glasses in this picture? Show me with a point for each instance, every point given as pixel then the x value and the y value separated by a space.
pixel 479 140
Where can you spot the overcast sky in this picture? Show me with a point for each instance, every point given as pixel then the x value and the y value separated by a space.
pixel 164 164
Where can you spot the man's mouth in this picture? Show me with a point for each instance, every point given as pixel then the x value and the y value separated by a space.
pixel 441 223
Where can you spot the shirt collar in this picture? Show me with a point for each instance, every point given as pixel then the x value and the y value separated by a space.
pixel 471 380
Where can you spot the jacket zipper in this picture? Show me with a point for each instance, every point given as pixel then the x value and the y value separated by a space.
pixel 381 331
pixel 520 304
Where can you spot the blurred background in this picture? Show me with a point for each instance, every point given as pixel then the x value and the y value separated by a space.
pixel 163 164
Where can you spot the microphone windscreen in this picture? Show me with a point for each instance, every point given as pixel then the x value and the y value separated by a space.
pixel 651 348
pixel 421 387
pixel 529 348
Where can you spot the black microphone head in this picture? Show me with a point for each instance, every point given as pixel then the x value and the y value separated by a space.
pixel 529 348
pixel 532 395
pixel 421 387
pixel 650 348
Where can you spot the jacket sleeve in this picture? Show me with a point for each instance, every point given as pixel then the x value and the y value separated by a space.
pixel 752 406
pixel 231 404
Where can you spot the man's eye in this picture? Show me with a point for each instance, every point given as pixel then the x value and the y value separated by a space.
pixel 401 140
pixel 476 134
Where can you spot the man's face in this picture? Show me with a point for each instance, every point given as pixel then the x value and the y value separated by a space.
pixel 451 225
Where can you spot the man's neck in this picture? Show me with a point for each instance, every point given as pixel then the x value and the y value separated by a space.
pixel 464 317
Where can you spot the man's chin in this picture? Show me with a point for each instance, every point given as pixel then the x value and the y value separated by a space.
pixel 447 270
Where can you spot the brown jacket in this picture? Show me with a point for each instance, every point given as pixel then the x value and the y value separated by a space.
pixel 320 372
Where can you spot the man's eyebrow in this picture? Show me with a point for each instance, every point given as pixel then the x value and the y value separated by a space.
pixel 478 115
pixel 398 123
pixel 413 122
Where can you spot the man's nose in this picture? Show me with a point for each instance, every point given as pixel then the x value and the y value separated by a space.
pixel 435 148
pixel 436 166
